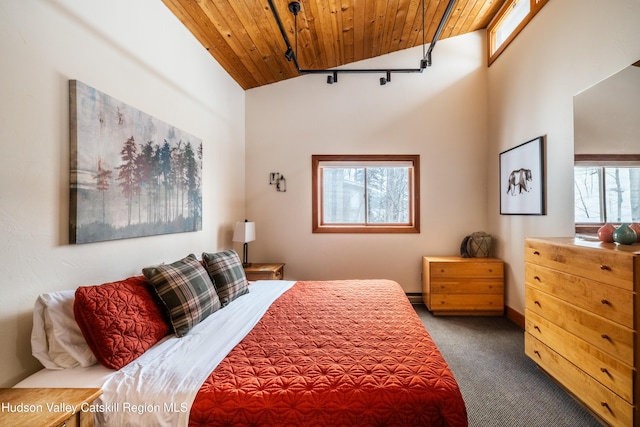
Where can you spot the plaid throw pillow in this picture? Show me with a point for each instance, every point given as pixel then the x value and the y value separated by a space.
pixel 225 269
pixel 185 290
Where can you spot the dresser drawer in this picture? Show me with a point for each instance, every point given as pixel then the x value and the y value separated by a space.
pixel 467 286
pixel 606 266
pixel 609 406
pixel 604 368
pixel 610 337
pixel 607 301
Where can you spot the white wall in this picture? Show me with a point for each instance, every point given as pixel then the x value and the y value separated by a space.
pixel 139 53
pixel 440 114
pixel 569 46
pixel 606 115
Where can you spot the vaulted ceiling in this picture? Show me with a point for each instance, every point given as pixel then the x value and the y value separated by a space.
pixel 243 36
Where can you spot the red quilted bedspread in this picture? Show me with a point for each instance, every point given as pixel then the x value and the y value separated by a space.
pixel 336 353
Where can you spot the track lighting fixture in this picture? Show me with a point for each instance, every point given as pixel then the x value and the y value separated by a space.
pixel 292 55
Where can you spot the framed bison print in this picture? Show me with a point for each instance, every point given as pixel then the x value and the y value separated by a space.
pixel 522 179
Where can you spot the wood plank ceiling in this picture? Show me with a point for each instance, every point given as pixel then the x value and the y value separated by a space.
pixel 243 36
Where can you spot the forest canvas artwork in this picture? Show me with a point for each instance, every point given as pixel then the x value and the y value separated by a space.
pixel 131 175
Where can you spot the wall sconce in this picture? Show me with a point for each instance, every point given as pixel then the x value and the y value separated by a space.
pixel 279 181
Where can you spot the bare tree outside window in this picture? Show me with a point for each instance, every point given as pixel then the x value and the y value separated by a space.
pixel 607 194
pixel 388 195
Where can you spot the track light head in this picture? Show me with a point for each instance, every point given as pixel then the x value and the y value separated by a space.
pixel 329 80
pixel 383 81
pixel 427 60
pixel 289 54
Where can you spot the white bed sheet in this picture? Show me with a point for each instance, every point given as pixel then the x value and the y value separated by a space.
pixel 78 377
pixel 160 386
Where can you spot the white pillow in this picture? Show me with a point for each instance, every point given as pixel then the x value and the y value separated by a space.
pixel 56 339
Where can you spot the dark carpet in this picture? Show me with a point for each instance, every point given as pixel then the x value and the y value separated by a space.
pixel 500 385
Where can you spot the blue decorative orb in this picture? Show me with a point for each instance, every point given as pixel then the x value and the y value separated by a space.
pixel 625 235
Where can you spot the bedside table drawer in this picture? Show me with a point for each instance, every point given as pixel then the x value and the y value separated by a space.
pixel 464 268
pixel 467 303
pixel 462 286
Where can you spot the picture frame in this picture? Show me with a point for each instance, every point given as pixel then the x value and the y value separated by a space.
pixel 522 179
pixel 131 174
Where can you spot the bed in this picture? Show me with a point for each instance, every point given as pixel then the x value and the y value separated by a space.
pixel 307 353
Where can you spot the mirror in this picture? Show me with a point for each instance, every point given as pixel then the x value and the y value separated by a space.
pixel 607 115
pixel 606 119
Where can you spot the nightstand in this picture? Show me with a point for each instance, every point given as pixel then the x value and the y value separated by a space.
pixel 257 271
pixel 463 286
pixel 47 406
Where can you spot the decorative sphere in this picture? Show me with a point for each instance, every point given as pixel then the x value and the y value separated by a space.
pixel 605 233
pixel 636 227
pixel 625 235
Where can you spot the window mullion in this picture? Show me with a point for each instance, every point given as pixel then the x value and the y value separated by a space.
pixel 603 190
pixel 366 198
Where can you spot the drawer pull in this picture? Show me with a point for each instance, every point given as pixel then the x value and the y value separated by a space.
pixel 605 267
pixel 605 301
pixel 606 405
pixel 606 337
pixel 536 253
pixel 537 353
pixel 537 329
pixel 605 371
pixel 537 278
pixel 537 303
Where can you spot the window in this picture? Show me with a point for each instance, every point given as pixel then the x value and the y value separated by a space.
pixel 606 190
pixel 366 193
pixel 508 22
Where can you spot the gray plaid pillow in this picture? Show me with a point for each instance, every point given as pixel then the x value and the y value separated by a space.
pixel 185 290
pixel 225 269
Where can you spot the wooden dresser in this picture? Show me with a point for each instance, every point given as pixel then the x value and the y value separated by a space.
pixel 581 321
pixel 463 286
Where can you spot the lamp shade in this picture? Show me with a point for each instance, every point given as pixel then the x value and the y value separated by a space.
pixel 244 232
